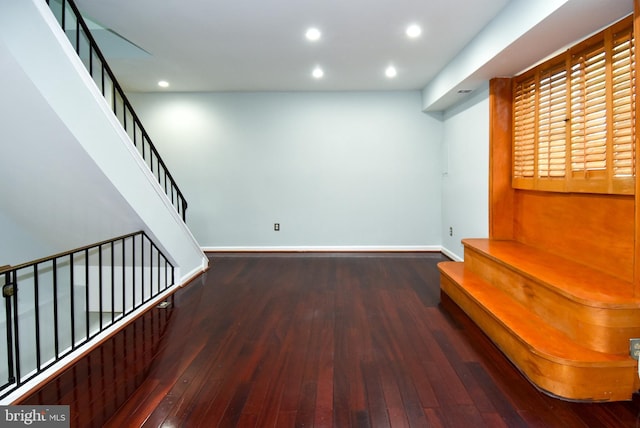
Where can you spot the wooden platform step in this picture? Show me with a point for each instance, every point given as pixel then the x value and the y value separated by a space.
pixel 575 280
pixel 548 357
pixel 590 306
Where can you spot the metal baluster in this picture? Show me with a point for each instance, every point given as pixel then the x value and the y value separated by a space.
pixel 8 291
pixel 135 134
pixel 158 274
pixel 166 272
pixel 37 313
pixel 100 284
pixel 64 15
pixel 133 272
pixel 16 328
pixel 91 59
pixel 102 78
pixel 113 284
pixel 124 279
pixel 142 268
pixel 150 268
pixel 72 302
pixel 77 36
pixel 56 345
pixel 86 294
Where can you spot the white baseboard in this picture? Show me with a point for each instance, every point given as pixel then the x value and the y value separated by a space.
pixel 190 276
pixel 453 256
pixel 326 249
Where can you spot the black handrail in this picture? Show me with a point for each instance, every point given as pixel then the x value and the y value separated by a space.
pixel 138 135
pixel 57 304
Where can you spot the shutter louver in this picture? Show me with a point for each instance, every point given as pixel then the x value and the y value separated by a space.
pixel 524 129
pixel 588 112
pixel 552 122
pixel 623 104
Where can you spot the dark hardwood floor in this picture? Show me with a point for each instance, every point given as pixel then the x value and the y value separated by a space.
pixel 311 340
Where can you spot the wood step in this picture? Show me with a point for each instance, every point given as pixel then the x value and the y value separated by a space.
pixel 590 306
pixel 548 357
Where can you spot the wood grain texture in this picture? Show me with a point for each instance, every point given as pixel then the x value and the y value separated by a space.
pixel 552 360
pixel 501 193
pixel 636 231
pixel 311 340
pixel 594 230
pixel 590 307
pixel 575 281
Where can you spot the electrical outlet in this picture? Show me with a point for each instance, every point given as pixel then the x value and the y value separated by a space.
pixel 634 348
pixel 276 227
pixel 450 231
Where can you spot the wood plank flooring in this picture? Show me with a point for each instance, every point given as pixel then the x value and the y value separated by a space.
pixel 311 340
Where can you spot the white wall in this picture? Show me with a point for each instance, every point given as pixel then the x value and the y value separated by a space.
pixel 465 178
pixel 20 244
pixel 344 170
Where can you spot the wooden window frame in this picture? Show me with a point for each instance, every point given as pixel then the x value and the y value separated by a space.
pixel 574 118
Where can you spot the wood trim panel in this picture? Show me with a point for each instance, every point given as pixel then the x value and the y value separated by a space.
pixel 590 229
pixel 636 231
pixel 501 193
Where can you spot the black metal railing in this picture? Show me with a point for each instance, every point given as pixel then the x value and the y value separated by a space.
pixel 57 304
pixel 87 49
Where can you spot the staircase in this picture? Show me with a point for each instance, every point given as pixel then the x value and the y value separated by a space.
pixel 68 145
pixel 566 326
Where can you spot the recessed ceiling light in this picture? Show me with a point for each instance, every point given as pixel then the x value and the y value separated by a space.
pixel 163 84
pixel 313 34
pixel 413 31
pixel 391 72
pixel 318 73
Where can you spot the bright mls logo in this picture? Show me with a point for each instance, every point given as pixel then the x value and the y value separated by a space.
pixel 35 416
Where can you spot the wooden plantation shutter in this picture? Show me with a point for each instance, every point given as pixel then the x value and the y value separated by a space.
pixel 574 118
pixel 588 117
pixel 524 130
pixel 552 117
pixel 540 136
pixel 623 109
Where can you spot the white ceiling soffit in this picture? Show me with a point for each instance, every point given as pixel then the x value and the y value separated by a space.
pixel 523 34
pixel 253 45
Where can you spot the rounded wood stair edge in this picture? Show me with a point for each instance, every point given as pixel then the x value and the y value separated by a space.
pixel 559 367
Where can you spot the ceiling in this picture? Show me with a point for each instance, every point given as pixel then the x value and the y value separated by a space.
pixel 258 45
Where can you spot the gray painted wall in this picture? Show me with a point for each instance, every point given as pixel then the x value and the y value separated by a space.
pixel 465 178
pixel 336 170
pixel 348 170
